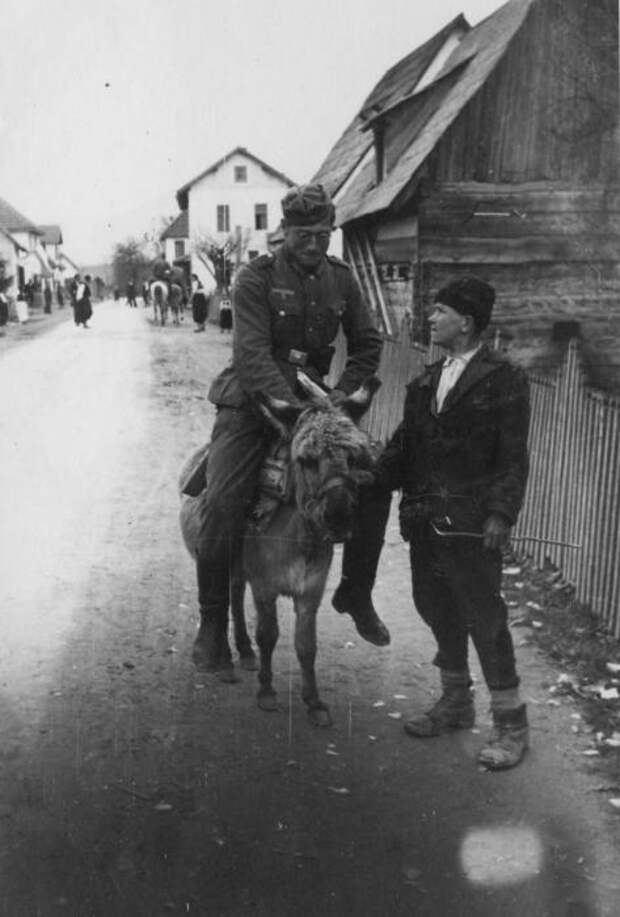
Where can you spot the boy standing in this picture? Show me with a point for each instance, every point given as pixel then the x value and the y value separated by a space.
pixel 460 458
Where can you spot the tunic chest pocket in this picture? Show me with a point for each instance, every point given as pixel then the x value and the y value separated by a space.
pixel 286 310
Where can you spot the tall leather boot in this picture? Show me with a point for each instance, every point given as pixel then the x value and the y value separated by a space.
pixel 211 650
pixel 453 710
pixel 360 560
pixel 510 739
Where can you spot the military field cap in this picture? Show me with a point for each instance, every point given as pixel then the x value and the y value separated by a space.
pixel 308 205
pixel 469 296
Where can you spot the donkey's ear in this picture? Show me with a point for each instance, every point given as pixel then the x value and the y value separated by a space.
pixel 280 414
pixel 360 399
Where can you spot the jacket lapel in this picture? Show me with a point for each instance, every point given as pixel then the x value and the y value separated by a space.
pixel 430 380
pixel 478 367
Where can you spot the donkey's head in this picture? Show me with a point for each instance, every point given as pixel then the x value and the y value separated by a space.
pixel 330 458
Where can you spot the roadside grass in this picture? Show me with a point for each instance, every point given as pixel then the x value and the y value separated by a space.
pixel 574 639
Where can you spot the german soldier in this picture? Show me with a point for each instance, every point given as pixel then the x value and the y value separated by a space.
pixel 288 308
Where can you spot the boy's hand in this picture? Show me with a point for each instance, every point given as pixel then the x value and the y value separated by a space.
pixel 495 530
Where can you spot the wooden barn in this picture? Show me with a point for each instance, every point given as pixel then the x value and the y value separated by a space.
pixel 494 150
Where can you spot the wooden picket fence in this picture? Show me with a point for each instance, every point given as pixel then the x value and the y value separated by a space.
pixel 573 493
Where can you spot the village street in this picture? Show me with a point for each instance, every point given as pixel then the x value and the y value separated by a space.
pixel 131 784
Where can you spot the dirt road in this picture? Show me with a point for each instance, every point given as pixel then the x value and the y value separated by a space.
pixel 134 785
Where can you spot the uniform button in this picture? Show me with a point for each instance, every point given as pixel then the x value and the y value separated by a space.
pixel 281 312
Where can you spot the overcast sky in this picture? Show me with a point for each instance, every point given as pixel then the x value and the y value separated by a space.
pixel 108 106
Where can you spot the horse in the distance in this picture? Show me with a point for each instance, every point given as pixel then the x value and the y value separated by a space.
pixel 176 302
pixel 166 300
pixel 159 297
pixel 327 459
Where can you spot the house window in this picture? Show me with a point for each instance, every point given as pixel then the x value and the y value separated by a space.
pixel 241 173
pixel 179 248
pixel 260 216
pixel 223 218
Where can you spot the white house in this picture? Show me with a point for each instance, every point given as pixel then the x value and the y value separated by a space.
pixel 175 239
pixel 238 195
pixel 10 249
pixel 30 264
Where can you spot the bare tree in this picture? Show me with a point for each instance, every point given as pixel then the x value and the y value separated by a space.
pixel 221 258
pixel 129 262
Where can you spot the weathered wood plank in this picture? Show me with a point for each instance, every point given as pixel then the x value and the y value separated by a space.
pixel 537 196
pixel 520 223
pixel 485 250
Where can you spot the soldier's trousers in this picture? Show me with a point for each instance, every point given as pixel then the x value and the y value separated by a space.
pixel 238 446
pixel 456 590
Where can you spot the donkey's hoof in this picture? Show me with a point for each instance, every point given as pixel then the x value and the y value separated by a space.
pixel 248 661
pixel 267 701
pixel 203 660
pixel 228 675
pixel 319 716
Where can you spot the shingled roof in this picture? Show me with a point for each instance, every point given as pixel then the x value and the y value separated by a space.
pixel 433 109
pixel 14 221
pixel 355 142
pixel 178 229
pixel 52 234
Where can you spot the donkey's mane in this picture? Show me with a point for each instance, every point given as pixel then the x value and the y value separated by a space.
pixel 324 430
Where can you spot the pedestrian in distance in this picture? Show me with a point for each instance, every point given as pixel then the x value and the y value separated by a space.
pixel 4 311
pixel 200 304
pixel 460 460
pixel 83 309
pixel 225 316
pixel 145 293
pixel 60 296
pixel 288 309
pixel 47 299
pixel 131 295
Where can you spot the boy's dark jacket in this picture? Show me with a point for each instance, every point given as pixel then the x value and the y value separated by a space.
pixel 470 460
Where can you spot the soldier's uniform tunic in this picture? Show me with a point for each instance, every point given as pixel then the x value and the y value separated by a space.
pixel 284 318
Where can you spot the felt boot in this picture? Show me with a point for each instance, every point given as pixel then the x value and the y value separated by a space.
pixel 510 739
pixel 453 710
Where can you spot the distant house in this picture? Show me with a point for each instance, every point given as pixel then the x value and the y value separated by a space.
pixel 29 264
pixel 175 239
pixel 69 267
pixel 238 196
pixel 51 240
pixel 10 251
pixel 494 150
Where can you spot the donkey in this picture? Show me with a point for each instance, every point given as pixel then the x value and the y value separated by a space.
pixel 328 458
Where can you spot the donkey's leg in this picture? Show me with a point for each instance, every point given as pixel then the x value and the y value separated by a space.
pixel 247 656
pixel 266 638
pixel 305 646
